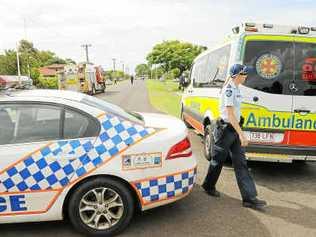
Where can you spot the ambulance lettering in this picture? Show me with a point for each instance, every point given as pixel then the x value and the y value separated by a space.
pixel 16 203
pixel 281 122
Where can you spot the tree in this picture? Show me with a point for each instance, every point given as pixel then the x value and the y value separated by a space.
pixel 142 70
pixel 174 54
pixel 30 60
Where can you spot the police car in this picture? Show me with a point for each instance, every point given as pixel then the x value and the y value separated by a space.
pixel 279 95
pixel 66 154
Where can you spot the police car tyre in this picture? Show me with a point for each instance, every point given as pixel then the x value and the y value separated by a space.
pixel 208 141
pixel 101 207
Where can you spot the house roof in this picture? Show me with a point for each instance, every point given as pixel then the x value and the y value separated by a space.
pixel 47 71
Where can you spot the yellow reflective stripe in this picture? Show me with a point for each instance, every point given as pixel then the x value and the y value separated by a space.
pixel 295 38
pixel 257 116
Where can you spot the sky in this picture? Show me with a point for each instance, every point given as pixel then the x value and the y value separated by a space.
pixel 128 29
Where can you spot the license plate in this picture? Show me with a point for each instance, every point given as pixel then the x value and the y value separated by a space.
pixel 264 137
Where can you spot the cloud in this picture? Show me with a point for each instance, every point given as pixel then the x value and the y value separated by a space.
pixel 127 29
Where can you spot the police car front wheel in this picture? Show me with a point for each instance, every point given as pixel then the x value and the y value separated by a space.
pixel 101 207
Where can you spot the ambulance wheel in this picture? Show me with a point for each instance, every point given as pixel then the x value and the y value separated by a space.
pixel 208 141
pixel 93 90
pixel 101 207
pixel 183 119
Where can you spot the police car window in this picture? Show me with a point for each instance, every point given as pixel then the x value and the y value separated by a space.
pixel 7 124
pixel 77 125
pixel 273 66
pixel 112 109
pixel 29 123
pixel 305 69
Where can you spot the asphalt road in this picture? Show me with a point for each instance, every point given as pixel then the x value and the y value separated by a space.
pixel 290 190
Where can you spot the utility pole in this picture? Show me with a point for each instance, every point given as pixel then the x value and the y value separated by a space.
pixel 86 47
pixel 123 66
pixel 18 63
pixel 114 61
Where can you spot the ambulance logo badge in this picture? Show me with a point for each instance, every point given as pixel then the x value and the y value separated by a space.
pixel 268 66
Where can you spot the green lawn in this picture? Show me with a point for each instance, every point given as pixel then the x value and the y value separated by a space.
pixel 163 96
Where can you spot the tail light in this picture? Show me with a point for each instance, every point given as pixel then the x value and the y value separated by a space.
pixel 181 149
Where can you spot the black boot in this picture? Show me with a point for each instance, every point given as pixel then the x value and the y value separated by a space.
pixel 254 203
pixel 211 191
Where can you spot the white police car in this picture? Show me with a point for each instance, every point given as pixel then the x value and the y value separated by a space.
pixel 68 154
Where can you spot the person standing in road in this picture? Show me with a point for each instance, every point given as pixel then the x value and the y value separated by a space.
pixel 229 139
pixel 132 79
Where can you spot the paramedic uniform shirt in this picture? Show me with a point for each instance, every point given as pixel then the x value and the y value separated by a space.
pixel 230 96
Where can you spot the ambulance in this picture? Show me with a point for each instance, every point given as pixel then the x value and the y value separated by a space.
pixel 279 96
pixel 86 78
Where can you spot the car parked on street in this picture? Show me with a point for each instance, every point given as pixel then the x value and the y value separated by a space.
pixel 67 154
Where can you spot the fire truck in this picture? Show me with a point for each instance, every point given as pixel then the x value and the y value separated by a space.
pixel 84 77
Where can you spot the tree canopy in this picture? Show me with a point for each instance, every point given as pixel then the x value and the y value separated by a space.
pixel 142 70
pixel 174 54
pixel 31 59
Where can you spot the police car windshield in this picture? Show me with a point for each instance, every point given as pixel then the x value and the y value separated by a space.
pixel 277 64
pixel 112 109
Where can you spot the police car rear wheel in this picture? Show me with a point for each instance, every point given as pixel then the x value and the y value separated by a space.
pixel 208 141
pixel 101 207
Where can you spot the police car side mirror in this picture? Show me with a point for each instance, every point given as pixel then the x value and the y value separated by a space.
pixel 255 99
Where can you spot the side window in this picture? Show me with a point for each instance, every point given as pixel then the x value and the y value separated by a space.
pixel 7 124
pixel 214 68
pixel 272 63
pixel 77 125
pixel 29 123
pixel 222 66
pixel 305 69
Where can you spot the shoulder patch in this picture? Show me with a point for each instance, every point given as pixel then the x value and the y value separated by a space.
pixel 228 93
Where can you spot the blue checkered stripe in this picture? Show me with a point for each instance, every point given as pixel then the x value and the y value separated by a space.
pixel 166 187
pixel 58 164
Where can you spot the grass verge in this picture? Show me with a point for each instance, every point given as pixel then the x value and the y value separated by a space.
pixel 163 96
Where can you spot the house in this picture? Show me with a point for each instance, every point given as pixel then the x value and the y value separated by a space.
pixel 51 70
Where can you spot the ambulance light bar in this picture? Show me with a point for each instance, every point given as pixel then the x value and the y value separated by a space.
pixel 250 24
pixel 269 26
pixel 251 29
pixel 313 28
pixel 303 30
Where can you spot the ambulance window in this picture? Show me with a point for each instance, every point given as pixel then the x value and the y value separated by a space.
pixel 272 64
pixel 221 69
pixel 214 70
pixel 305 69
pixel 198 73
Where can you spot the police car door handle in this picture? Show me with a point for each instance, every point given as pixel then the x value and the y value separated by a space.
pixel 302 111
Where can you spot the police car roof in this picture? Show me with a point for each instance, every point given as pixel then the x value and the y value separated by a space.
pixel 45 94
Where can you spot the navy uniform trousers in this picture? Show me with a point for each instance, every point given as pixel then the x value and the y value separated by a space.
pixel 227 143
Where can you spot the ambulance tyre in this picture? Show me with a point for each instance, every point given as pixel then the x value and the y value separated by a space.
pixel 208 141
pixel 93 90
pixel 183 119
pixel 101 207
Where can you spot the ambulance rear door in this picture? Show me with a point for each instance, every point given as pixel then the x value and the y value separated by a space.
pixel 303 88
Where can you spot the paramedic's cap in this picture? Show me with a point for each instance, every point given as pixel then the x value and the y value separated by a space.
pixel 238 69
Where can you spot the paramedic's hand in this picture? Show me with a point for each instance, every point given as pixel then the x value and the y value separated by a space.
pixel 243 140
